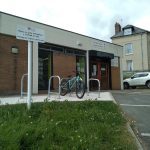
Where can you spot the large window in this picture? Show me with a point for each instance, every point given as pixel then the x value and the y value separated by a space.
pixel 128 48
pixel 80 66
pixel 129 65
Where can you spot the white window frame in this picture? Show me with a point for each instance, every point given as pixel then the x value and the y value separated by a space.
pixel 129 65
pixel 128 48
pixel 128 31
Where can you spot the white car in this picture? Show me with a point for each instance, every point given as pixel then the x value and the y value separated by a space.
pixel 138 79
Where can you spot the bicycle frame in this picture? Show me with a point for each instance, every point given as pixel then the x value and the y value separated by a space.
pixel 73 81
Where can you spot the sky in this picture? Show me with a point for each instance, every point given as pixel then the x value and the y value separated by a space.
pixel 94 18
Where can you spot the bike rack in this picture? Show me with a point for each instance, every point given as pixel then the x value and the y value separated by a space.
pixel 22 79
pixel 49 84
pixel 92 79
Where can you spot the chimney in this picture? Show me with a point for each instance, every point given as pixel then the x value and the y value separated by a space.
pixel 117 28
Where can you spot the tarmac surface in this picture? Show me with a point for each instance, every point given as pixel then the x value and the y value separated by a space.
pixel 136 105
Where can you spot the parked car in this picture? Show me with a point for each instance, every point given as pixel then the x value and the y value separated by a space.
pixel 138 79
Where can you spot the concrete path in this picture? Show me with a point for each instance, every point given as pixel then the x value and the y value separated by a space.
pixel 104 96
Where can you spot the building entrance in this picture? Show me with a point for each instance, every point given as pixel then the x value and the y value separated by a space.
pixel 100 70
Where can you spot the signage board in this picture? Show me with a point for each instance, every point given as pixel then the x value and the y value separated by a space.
pixel 30 34
pixel 114 62
pixel 99 44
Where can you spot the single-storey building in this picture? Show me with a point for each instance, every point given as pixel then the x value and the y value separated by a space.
pixel 62 53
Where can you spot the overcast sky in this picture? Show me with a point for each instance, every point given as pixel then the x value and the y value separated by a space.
pixel 95 18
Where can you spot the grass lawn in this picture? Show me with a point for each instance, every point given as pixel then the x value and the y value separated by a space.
pixel 65 125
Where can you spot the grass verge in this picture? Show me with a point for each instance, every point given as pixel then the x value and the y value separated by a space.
pixel 64 125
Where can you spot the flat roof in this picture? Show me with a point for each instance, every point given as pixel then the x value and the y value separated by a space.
pixel 58 28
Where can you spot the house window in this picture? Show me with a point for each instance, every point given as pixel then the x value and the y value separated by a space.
pixel 128 48
pixel 129 65
pixel 128 31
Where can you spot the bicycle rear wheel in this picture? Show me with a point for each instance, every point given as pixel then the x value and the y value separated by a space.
pixel 80 89
pixel 64 88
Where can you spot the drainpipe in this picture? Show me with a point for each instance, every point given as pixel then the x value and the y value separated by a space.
pixel 121 71
pixel 148 52
pixel 87 70
pixel 142 53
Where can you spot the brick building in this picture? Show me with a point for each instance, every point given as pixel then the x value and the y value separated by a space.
pixel 62 53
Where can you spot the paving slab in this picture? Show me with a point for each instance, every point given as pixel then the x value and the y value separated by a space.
pixel 104 96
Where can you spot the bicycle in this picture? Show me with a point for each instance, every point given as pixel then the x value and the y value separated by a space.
pixel 68 85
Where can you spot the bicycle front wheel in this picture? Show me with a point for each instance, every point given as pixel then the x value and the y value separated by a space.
pixel 63 88
pixel 80 89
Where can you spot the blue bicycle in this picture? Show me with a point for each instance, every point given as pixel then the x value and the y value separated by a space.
pixel 73 84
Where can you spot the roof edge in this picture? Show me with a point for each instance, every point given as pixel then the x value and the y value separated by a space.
pixel 56 27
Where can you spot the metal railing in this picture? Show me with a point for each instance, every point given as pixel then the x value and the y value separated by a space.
pixel 49 85
pixel 22 79
pixel 93 79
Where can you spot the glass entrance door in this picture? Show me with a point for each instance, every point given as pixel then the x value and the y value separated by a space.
pixel 44 69
pixel 104 75
pixel 100 70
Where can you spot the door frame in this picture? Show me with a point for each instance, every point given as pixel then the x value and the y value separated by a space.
pixel 98 75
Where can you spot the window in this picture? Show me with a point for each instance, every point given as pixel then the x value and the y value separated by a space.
pixel 128 48
pixel 129 65
pixel 139 75
pixel 103 70
pixel 128 31
pixel 135 76
pixel 143 74
pixel 80 66
pixel 94 70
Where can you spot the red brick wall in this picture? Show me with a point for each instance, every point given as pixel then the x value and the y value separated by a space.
pixel 63 65
pixel 12 66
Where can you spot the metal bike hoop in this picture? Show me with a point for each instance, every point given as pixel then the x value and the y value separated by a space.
pixel 22 83
pixel 93 79
pixel 49 84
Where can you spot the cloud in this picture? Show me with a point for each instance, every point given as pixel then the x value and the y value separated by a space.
pixel 144 22
pixel 101 21
pixel 94 18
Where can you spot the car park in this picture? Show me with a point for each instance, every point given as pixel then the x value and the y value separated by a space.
pixel 138 79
